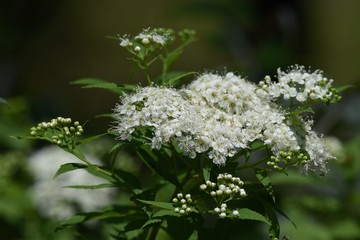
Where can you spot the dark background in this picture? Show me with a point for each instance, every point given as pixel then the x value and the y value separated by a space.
pixel 44 45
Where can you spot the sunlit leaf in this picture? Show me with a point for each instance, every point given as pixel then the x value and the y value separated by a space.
pixel 248 214
pixel 67 167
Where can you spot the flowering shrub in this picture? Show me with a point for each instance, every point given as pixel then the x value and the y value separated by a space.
pixel 209 145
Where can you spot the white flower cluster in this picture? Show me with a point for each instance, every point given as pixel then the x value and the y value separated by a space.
pixel 49 195
pixel 215 114
pixel 300 84
pixel 158 36
pixel 183 203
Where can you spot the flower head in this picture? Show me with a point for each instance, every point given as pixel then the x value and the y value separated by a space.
pixel 302 85
pixel 215 114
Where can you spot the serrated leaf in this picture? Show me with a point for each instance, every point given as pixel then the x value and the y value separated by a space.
pixel 98 83
pixel 263 177
pixel 272 217
pixel 248 214
pixel 99 186
pixel 67 167
pixel 151 222
pixel 165 212
pixel 164 205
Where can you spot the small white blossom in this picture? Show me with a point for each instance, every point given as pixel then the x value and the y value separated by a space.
pixel 125 42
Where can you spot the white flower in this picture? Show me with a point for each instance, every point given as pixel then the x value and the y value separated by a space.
pixel 160 39
pixel 215 114
pixel 50 196
pixel 125 42
pixel 301 84
pixel 318 152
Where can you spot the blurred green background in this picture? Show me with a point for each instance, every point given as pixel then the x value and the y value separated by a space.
pixel 44 45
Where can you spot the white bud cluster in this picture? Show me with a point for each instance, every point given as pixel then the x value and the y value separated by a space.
pixel 182 204
pixel 60 131
pixel 221 211
pixel 226 188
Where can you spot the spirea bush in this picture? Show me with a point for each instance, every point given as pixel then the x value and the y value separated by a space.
pixel 207 147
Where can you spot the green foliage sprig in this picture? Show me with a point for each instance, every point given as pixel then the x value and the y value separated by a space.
pixel 195 142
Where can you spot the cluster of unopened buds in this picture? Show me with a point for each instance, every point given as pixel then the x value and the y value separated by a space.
pixel 227 188
pixel 285 159
pixel 222 210
pixel 183 203
pixel 60 131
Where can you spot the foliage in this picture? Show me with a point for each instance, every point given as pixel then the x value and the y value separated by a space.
pixel 194 142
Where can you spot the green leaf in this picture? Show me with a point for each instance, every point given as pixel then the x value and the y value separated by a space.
pixel 263 177
pixel 67 167
pixel 103 185
pixel 164 205
pixel 344 88
pixel 102 173
pixel 248 214
pixel 207 166
pixel 165 213
pixel 171 58
pixel 151 222
pixel 128 178
pixel 93 169
pixel 162 167
pixel 97 83
pixel 89 139
pixel 272 217
pixel 173 79
pixel 120 213
pixel 194 236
